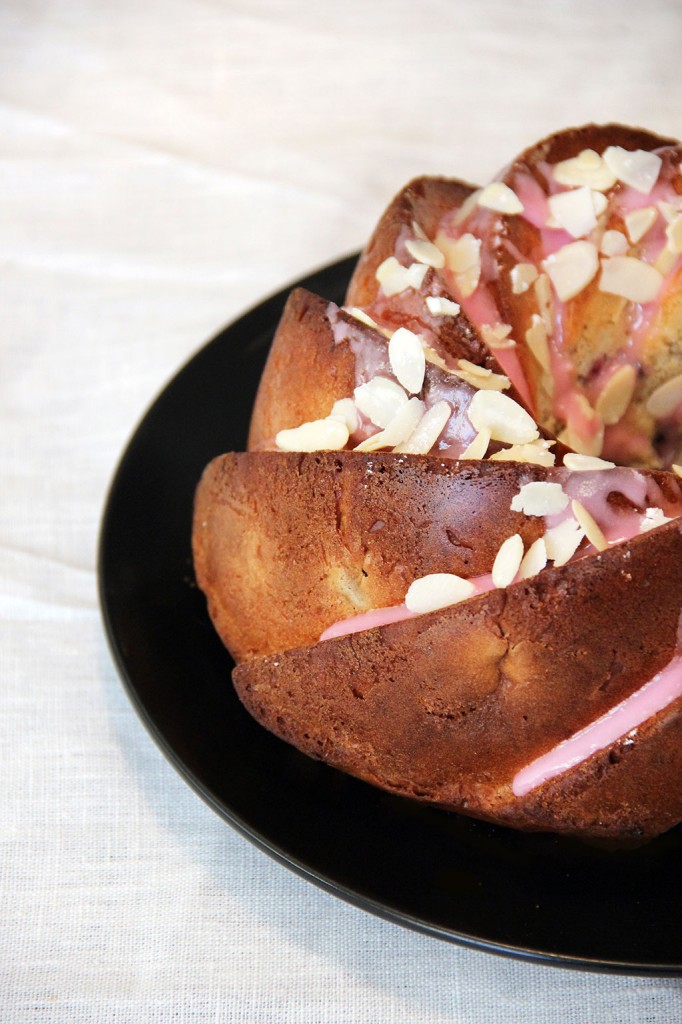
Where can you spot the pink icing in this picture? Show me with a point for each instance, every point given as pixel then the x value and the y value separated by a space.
pixel 654 696
pixel 385 616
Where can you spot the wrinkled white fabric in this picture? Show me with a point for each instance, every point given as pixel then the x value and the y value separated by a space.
pixel 163 166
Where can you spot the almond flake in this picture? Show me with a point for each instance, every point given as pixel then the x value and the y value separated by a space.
pixel 522 276
pixel 379 400
pixel 438 306
pixel 588 524
pixel 506 420
pixel 613 243
pixel 666 260
pixel 481 377
pixel 653 517
pixel 578 463
pixel 663 402
pixel 395 278
pixel 673 233
pixel 478 447
pixel 562 541
pixel 576 211
pixel 591 445
pixel 398 430
pixel 543 294
pixel 427 431
pixel 536 339
pixel 497 335
pixel 638 222
pixel 631 278
pixel 345 410
pixel 528 453
pixel 406 355
pixel 637 168
pixel 499 197
pixel 540 498
pixel 587 168
pixel 534 560
pixel 507 561
pixel 437 590
pixel 677 470
pixel 425 252
pixel 572 268
pixel 463 259
pixel 419 232
pixel 314 436
pixel 668 210
pixel 359 314
pixel 432 357
pixel 616 395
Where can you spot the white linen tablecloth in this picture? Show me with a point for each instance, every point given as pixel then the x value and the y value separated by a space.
pixel 162 167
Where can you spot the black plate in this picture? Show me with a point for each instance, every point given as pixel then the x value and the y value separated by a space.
pixel 539 897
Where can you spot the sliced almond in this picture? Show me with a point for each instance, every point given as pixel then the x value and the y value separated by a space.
pixel 437 590
pixel 438 306
pixel 653 517
pixel 576 211
pixel 435 359
pixel 359 314
pixel 668 210
pixel 425 252
pixel 379 400
pixel 562 541
pixel 591 445
pixel 395 278
pixel 534 560
pixel 578 463
pixel 666 398
pixel 545 300
pixel 398 430
pixel 677 470
pixel 540 498
pixel 673 233
pixel 616 395
pixel 522 276
pixel 613 243
pixel 506 420
pixel 481 377
pixel 587 522
pixel 536 339
pixel 587 168
pixel 528 453
pixel 572 268
pixel 427 431
pixel 666 260
pixel 314 436
pixel 507 561
pixel 478 447
pixel 406 355
pixel 636 168
pixel 418 231
pixel 499 197
pixel 345 409
pixel 461 253
pixel 632 278
pixel 638 222
pixel 497 335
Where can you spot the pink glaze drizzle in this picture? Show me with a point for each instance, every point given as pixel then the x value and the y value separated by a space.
pixel 395 613
pixel 654 696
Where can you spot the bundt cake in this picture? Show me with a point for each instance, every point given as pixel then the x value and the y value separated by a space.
pixel 450 562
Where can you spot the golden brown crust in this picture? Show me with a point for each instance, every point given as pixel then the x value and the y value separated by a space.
pixel 286 544
pixel 448 706
pixel 303 353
